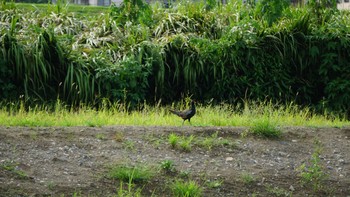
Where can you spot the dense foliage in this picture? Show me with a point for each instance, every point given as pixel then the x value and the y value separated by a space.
pixel 138 52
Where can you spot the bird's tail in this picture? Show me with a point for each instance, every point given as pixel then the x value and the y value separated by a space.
pixel 175 112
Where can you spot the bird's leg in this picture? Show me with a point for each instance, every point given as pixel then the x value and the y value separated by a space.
pixel 189 120
pixel 183 123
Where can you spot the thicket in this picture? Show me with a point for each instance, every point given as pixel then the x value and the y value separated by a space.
pixel 139 51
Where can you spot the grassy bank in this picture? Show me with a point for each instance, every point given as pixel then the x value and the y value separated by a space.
pixel 207 115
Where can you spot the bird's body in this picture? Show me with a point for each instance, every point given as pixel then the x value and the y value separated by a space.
pixel 187 114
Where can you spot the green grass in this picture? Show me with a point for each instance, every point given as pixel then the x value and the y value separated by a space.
pixel 186 189
pixel 247 178
pixel 131 174
pixel 12 167
pixel 186 143
pixel 313 174
pixel 168 166
pixel 253 114
pixel 265 128
pixel 173 139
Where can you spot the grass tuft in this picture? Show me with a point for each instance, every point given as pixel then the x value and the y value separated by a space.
pixel 131 174
pixel 168 166
pixel 173 140
pixel 186 189
pixel 247 178
pixel 265 128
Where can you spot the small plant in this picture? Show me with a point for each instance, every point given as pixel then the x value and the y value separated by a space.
pixel 12 167
pixel 247 178
pixel 185 174
pixel 101 136
pixel 187 189
pixel 185 143
pixel 168 165
pixel 119 136
pixel 33 135
pixel 214 184
pixel 130 191
pixel 131 174
pixel 265 128
pixel 51 185
pixel 209 142
pixel 213 141
pixel 173 139
pixel 156 143
pixel 129 144
pixel 277 191
pixel 313 174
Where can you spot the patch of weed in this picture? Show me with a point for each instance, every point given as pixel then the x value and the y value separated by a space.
pixel 118 136
pixel 12 167
pixel 213 141
pixel 185 174
pixel 214 184
pixel 277 191
pixel 186 143
pixel 312 173
pixel 173 139
pixel 209 142
pixel 33 135
pixel 129 144
pixel 265 128
pixel 51 185
pixel 101 136
pixel 130 191
pixel 131 174
pixel 186 188
pixel 247 178
pixel 168 166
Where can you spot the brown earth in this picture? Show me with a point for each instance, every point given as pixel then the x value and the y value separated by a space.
pixel 62 161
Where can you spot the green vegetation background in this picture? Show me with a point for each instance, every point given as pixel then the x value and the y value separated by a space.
pixel 144 52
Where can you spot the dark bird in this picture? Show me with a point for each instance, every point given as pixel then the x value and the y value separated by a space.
pixel 187 114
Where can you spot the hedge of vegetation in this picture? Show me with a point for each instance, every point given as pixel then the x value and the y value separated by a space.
pixel 140 51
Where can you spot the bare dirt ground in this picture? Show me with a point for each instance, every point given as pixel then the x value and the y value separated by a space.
pixel 62 161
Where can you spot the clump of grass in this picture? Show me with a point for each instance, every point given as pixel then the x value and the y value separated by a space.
pixel 186 143
pixel 209 142
pixel 129 144
pixel 118 136
pixel 131 174
pixel 247 178
pixel 265 128
pixel 168 166
pixel 173 139
pixel 101 136
pixel 277 191
pixel 51 185
pixel 185 174
pixel 214 183
pixel 213 141
pixel 130 191
pixel 12 167
pixel 186 188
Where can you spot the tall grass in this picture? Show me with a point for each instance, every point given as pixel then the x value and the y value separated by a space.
pixel 16 114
